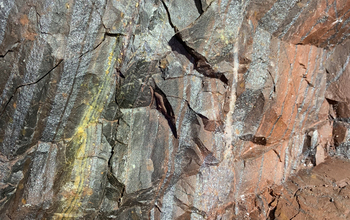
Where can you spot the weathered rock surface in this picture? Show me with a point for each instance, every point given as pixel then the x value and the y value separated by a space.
pixel 174 109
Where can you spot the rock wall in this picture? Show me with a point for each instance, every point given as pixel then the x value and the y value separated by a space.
pixel 167 109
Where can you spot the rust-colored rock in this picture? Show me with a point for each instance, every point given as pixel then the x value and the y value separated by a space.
pixel 174 109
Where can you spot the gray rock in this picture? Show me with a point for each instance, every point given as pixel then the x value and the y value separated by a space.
pixel 166 109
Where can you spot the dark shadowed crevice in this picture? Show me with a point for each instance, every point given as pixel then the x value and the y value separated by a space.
pixel 3 56
pixel 199 6
pixel 255 139
pixel 169 17
pixel 119 187
pixel 164 107
pixel 199 61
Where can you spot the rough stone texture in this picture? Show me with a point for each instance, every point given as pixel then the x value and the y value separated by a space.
pixel 167 109
pixel 322 192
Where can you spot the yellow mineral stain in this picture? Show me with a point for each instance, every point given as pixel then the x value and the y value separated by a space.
pixel 110 59
pixel 80 140
pixel 64 215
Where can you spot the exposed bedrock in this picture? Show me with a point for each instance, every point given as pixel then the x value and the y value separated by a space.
pixel 167 109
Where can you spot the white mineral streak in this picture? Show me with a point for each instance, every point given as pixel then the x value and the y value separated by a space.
pixel 232 101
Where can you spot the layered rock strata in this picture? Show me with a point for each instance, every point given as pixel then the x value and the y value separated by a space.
pixel 171 109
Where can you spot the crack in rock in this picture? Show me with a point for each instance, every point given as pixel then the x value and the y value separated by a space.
pixel 28 84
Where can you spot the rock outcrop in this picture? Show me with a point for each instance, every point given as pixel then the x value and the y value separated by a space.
pixel 174 109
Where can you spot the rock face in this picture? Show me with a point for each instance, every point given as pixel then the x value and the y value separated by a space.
pixel 173 109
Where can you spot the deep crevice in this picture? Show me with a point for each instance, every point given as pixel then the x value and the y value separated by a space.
pixel 159 98
pixel 8 51
pixel 200 62
pixel 169 18
pixel 199 6
pixel 273 90
pixel 259 140
pixel 113 180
